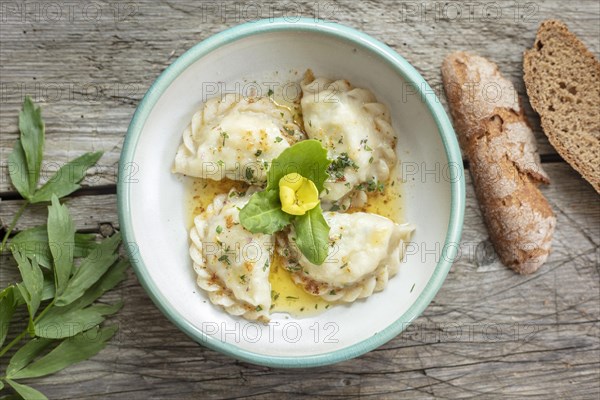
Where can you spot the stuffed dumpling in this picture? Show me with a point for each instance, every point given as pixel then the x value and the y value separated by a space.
pixel 364 251
pixel 236 137
pixel 232 264
pixel 355 129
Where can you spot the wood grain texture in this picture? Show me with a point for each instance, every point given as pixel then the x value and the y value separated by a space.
pixel 489 333
pixel 89 75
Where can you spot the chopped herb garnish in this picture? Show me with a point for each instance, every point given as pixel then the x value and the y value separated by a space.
pixel 274 295
pixel 344 266
pixel 332 292
pixel 225 135
pixel 258 308
pixel 220 163
pixel 334 207
pixel 371 160
pixel 225 259
pixel 278 139
pixel 258 153
pixel 266 265
pixel 243 278
pixel 337 166
pixel 219 229
pixel 270 92
pixel 413 286
pixel 249 173
pixel 291 297
pixel 289 130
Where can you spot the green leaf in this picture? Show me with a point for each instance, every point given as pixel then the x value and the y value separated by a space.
pixel 26 354
pixel 61 238
pixel 27 392
pixel 17 169
pixel 33 243
pixel 263 213
pixel 90 270
pixel 307 158
pixel 48 290
pixel 109 280
pixel 32 129
pixel 68 352
pixel 1 385
pixel 13 396
pixel 66 180
pixel 7 309
pixel 33 283
pixel 62 322
pixel 312 235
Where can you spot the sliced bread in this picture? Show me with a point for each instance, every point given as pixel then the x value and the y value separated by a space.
pixel 563 83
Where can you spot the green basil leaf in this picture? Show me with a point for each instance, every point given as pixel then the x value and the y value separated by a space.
pixel 32 129
pixel 73 350
pixel 18 171
pixel 307 158
pixel 26 354
pixel 33 243
pixel 66 180
pixel 263 213
pixel 62 322
pixel 33 282
pixel 61 237
pixel 26 392
pixel 312 235
pixel 1 385
pixel 7 309
pixel 90 270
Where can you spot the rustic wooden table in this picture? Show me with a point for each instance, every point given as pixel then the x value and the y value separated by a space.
pixel 488 332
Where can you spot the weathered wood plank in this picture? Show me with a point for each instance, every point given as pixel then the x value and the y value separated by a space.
pixel 488 332
pixel 89 212
pixel 89 75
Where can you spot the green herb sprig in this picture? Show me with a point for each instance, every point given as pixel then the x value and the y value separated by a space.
pixel 263 213
pixel 63 273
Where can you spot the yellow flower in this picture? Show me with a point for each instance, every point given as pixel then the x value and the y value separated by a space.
pixel 297 194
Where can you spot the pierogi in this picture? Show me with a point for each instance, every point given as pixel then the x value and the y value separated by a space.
pixel 364 251
pixel 355 129
pixel 236 137
pixel 232 264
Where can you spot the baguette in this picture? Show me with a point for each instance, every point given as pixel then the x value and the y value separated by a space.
pixel 561 77
pixel 503 160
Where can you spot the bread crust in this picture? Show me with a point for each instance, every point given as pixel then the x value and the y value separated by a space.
pixel 561 76
pixel 506 169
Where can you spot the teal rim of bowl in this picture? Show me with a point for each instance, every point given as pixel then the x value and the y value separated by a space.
pixel 402 67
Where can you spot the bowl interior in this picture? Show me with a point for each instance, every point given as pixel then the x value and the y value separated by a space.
pixel 158 217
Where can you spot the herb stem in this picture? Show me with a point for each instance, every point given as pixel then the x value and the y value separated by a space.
pixel 12 224
pixel 22 334
pixel 13 342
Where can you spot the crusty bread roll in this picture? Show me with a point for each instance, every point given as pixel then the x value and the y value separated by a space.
pixel 562 80
pixel 503 160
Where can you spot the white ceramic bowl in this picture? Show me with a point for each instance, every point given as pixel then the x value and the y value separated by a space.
pixel 151 198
